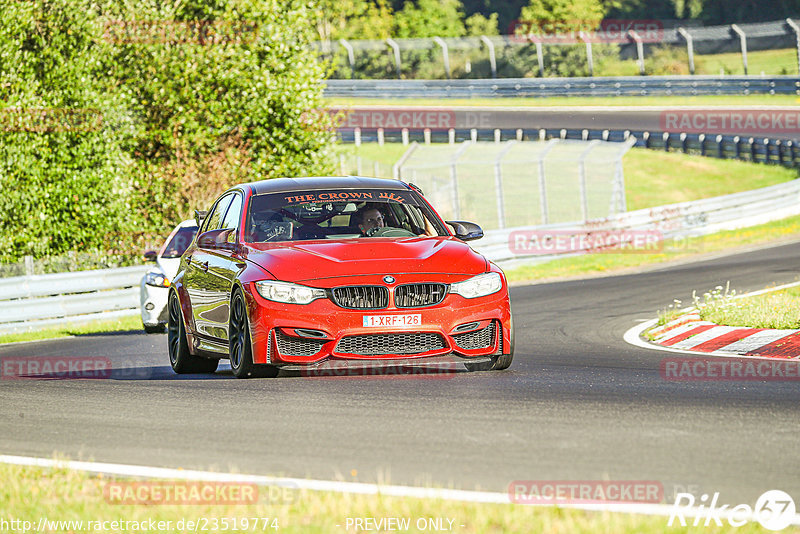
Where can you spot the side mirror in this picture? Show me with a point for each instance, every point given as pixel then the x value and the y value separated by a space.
pixel 199 215
pixel 216 240
pixel 466 231
pixel 150 255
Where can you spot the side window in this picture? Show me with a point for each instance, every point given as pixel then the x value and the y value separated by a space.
pixel 233 216
pixel 214 219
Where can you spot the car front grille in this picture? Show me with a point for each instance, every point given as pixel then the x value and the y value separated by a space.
pixel 478 339
pixel 295 346
pixel 361 297
pixel 419 295
pixel 404 343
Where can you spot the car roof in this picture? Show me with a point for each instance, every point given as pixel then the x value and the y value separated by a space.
pixel 282 185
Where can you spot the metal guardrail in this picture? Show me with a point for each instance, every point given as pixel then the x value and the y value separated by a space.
pixel 549 87
pixel 36 301
pixel 682 220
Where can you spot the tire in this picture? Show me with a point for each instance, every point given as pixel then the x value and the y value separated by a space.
pixel 182 361
pixel 240 347
pixel 499 361
pixel 154 329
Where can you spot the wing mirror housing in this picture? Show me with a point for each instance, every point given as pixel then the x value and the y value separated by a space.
pixel 216 240
pixel 465 230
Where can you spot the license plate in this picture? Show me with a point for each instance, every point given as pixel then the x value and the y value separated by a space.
pixel 374 321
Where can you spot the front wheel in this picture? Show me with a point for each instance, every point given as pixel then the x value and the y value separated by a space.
pixel 182 361
pixel 240 348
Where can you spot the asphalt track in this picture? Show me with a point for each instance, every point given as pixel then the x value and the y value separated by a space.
pixel 577 404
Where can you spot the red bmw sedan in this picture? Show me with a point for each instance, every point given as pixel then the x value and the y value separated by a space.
pixel 297 273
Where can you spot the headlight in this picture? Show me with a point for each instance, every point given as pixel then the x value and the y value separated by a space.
pixel 478 286
pixel 156 279
pixel 288 292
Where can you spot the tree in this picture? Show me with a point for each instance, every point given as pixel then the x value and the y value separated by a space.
pixel 430 18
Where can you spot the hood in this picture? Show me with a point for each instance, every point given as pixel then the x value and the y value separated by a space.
pixel 310 260
pixel 169 266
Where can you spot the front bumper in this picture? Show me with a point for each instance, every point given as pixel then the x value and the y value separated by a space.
pixel 153 304
pixel 302 335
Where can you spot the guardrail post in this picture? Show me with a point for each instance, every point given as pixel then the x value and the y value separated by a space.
pixel 492 59
pixel 563 133
pixel 519 134
pixel 753 153
pixel 689 47
pixel 589 58
pixel 584 135
pixel 357 136
pixel 445 55
pixel 702 139
pixel 351 56
pixel 397 62
pixel 539 55
pixel 743 43
pixel 796 29
pixel 665 138
pixel 426 135
pixel 473 135
pixel 451 136
pixel 497 135
pixel 639 49
pixel 780 151
pixel 720 148
pixel 684 143
pixel 767 158
pixel 646 137
pixel 737 147
pixel 381 138
pixel 404 136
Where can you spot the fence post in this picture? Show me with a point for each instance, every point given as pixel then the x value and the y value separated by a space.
pixel 404 136
pixel 796 29
pixel 542 181
pixel 582 178
pixel 426 135
pixel 451 136
pixel 28 260
pixel 351 57
pixel 381 138
pixel 454 177
pixel 498 184
pixel 539 55
pixel 397 168
pixel 589 58
pixel 357 136
pixel 492 59
pixel 743 43
pixel 445 55
pixel 397 62
pixel 639 49
pixel 689 47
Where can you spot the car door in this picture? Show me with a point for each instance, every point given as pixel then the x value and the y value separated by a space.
pixel 222 271
pixel 203 287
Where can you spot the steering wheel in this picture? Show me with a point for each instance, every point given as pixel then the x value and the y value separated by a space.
pixel 389 231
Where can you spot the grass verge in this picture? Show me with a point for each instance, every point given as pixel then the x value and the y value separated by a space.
pixel 123 324
pixel 777 309
pixel 32 493
pixel 591 264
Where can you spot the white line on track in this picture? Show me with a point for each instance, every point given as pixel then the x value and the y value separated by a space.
pixel 485 497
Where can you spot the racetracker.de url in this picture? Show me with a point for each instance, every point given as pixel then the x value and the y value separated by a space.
pixel 200 524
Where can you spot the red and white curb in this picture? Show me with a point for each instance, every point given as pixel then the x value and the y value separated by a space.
pixel 689 334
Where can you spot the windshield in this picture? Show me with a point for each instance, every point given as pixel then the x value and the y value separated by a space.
pixel 179 242
pixel 344 214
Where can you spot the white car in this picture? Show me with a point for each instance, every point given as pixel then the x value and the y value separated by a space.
pixel 155 283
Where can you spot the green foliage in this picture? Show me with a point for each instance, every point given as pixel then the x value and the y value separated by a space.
pixel 430 18
pixel 564 15
pixel 188 109
pixel 477 24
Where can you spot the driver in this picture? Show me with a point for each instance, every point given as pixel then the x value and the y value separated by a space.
pixel 369 217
